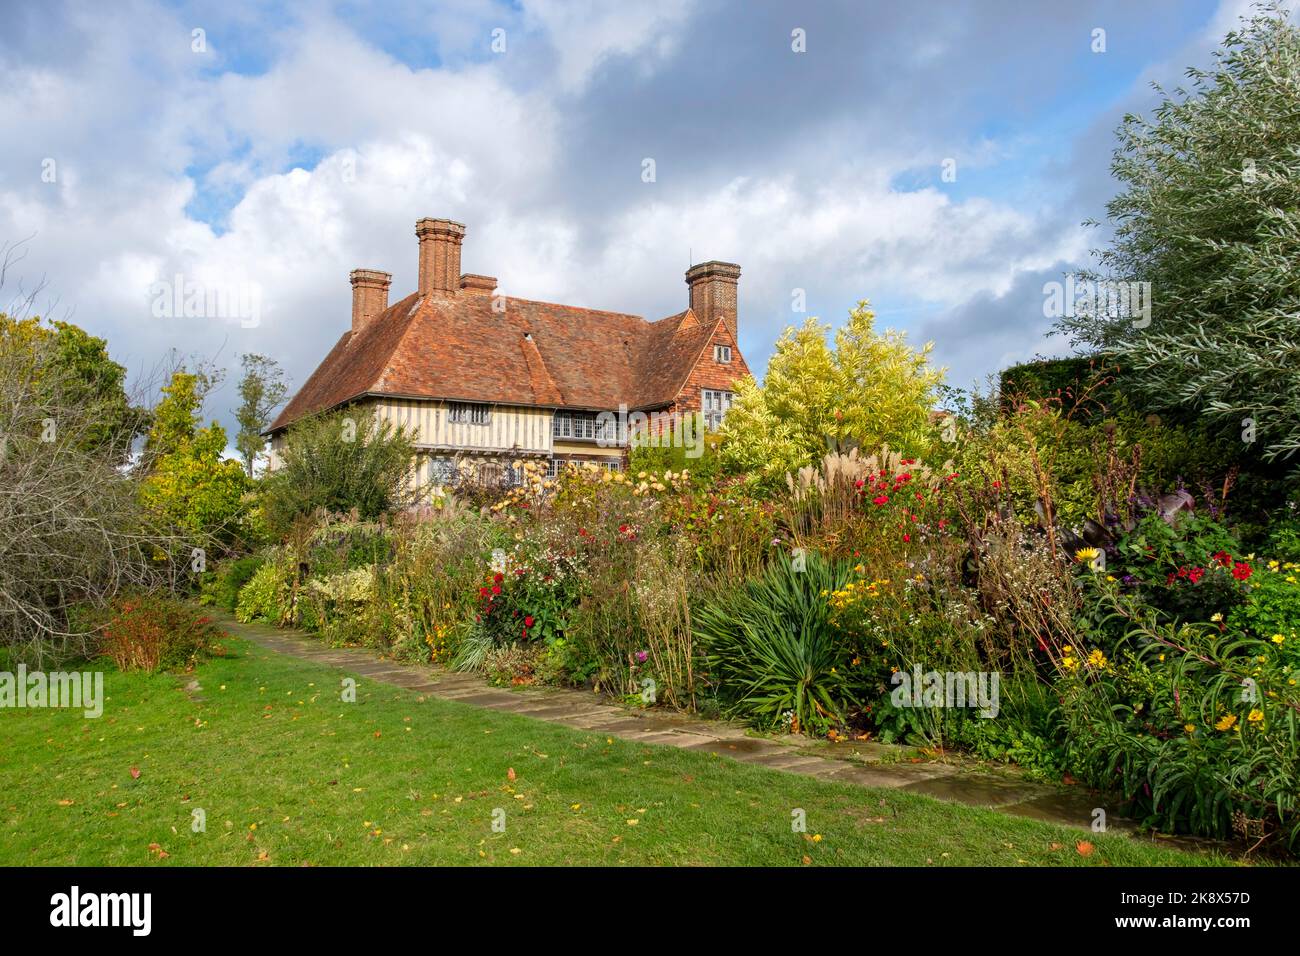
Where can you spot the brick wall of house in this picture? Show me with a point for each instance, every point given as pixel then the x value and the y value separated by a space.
pixel 711 374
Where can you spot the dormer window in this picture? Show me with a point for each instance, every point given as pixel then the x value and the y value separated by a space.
pixel 468 413
pixel 722 353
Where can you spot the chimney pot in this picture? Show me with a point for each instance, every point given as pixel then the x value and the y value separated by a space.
pixel 713 292
pixel 369 295
pixel 440 241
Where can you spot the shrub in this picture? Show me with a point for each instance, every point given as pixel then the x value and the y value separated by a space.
pixel 771 650
pixel 151 632
pixel 340 462
pixel 1284 536
pixel 872 388
pixel 1195 726
pixel 513 665
pixel 224 583
pixel 1185 563
pixel 1272 607
pixel 265 597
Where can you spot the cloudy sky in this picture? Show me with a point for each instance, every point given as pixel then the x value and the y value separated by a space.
pixel 268 153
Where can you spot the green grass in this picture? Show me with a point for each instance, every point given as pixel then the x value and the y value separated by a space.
pixel 288 774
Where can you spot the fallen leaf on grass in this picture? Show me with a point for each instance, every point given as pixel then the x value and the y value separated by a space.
pixel 510 773
pixel 158 851
pixel 66 803
pixel 1084 847
pixel 135 773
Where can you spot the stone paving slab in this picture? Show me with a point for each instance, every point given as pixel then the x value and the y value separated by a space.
pixel 863 763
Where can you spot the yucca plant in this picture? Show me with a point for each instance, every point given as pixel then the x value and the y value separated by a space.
pixel 770 649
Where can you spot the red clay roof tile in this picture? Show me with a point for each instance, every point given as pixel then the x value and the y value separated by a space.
pixel 458 347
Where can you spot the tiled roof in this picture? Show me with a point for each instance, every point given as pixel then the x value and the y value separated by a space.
pixel 533 353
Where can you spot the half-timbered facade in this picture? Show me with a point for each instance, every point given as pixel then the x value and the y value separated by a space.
pixel 492 380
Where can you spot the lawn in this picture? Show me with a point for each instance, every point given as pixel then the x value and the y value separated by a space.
pixel 286 773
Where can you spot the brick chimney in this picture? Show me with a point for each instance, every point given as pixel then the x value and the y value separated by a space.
pixel 471 284
pixel 713 292
pixel 369 295
pixel 439 255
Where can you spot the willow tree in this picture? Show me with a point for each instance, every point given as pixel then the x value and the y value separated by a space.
pixel 1209 215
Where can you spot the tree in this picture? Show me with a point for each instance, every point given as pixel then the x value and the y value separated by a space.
pixel 189 483
pixel 339 462
pixel 73 368
pixel 73 533
pixel 261 391
pixel 1210 217
pixel 176 418
pixel 871 389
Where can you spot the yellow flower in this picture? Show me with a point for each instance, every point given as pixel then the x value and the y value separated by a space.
pixel 1277 638
pixel 1226 722
pixel 1216 617
pixel 1255 716
pixel 1086 555
pixel 1097 659
pixel 1190 728
pixel 1069 663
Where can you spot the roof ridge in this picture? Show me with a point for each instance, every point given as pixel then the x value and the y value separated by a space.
pixel 577 308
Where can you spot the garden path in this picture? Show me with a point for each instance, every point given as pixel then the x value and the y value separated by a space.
pixel 864 763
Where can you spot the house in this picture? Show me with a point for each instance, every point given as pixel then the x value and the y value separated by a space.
pixel 495 380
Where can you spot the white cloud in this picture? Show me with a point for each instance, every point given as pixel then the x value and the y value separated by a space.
pixel 586 33
pixel 133 112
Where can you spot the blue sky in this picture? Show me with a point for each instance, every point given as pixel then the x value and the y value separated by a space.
pixel 290 147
